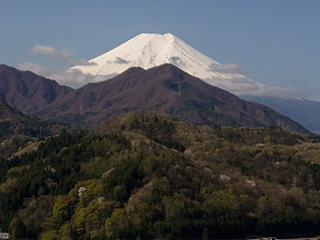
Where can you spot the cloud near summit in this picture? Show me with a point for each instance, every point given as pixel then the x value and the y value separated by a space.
pixel 57 65
pixel 64 57
pixel 62 75
pixel 226 68
pixel 50 51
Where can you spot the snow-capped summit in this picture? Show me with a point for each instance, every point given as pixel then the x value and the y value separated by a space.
pixel 149 50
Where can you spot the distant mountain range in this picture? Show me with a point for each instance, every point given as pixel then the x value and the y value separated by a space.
pixel 302 111
pixel 165 88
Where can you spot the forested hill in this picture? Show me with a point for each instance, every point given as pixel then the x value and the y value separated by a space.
pixel 17 129
pixel 149 176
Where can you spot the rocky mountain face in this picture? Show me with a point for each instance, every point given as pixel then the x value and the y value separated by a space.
pixel 166 89
pixel 26 91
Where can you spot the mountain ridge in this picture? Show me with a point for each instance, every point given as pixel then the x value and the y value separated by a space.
pixel 26 91
pixel 167 89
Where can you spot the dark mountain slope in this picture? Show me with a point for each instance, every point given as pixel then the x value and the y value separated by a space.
pixel 167 89
pixel 26 91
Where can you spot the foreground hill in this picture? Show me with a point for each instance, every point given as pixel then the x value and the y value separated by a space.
pixel 26 91
pixel 167 89
pixel 17 129
pixel 149 176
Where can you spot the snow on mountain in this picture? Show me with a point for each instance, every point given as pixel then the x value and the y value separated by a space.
pixel 150 50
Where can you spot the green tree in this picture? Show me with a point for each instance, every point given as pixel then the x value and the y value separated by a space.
pixel 17 229
pixel 51 235
pixel 205 234
pixel 62 208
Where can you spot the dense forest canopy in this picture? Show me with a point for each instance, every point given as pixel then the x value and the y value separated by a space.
pixel 149 176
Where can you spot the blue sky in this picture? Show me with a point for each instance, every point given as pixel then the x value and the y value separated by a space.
pixel 274 42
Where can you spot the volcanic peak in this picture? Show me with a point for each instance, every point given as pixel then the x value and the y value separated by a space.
pixel 148 50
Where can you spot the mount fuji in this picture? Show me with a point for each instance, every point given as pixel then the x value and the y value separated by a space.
pixel 149 50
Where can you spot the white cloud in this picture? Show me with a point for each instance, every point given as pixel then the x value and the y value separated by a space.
pixel 176 61
pixel 244 86
pixel 226 68
pixel 121 61
pixel 50 51
pixel 63 75
pixel 62 57
pixel 58 65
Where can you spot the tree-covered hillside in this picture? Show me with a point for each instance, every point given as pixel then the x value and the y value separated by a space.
pixel 18 130
pixel 149 176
